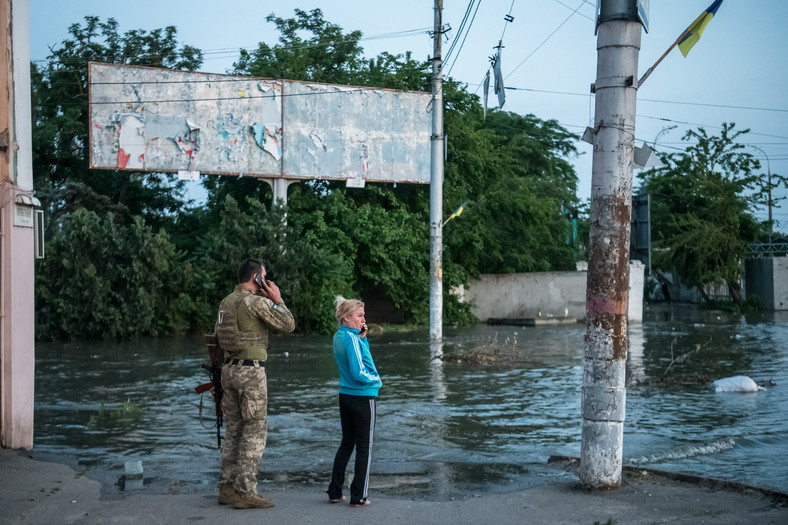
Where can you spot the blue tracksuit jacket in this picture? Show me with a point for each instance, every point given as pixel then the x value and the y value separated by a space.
pixel 357 373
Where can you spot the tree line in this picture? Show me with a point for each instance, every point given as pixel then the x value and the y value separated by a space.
pixel 703 209
pixel 129 255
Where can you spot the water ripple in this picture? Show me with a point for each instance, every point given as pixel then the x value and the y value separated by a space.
pixel 108 402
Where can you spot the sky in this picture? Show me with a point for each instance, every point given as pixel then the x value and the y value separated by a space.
pixel 737 72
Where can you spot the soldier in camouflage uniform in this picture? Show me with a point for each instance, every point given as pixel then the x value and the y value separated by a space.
pixel 245 318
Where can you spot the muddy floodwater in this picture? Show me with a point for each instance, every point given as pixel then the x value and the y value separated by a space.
pixel 487 418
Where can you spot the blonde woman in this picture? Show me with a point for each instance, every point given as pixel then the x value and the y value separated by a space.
pixel 359 384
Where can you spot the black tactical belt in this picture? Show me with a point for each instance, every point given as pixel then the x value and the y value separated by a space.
pixel 245 362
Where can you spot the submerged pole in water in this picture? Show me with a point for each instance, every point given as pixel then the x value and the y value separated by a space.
pixel 605 347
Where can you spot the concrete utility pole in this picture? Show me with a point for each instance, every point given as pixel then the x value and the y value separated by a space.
pixel 605 347
pixel 17 302
pixel 436 186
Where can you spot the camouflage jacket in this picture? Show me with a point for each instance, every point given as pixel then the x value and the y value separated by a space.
pixel 244 322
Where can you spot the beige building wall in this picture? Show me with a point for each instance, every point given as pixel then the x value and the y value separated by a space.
pixel 17 272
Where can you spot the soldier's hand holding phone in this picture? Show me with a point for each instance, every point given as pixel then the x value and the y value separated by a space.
pixel 268 288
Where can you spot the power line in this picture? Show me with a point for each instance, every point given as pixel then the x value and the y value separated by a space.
pixel 296 47
pixel 460 30
pixel 552 92
pixel 509 18
pixel 706 126
pixel 581 14
pixel 546 39
pixel 193 81
pixel 467 31
pixel 725 106
pixel 676 145
pixel 227 98
pixel 224 78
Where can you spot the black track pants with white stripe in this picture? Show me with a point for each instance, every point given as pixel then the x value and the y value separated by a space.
pixel 357 414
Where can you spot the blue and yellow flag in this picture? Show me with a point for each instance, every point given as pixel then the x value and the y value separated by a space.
pixel 456 213
pixel 692 34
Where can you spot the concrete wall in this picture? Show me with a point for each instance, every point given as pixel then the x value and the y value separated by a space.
pixel 545 294
pixel 768 278
pixel 780 283
pixel 637 286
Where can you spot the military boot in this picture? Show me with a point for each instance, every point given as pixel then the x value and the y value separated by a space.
pixel 227 493
pixel 252 501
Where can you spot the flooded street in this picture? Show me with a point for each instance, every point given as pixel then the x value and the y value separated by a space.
pixel 443 428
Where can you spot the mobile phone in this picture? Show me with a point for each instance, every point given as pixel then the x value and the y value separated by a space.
pixel 259 280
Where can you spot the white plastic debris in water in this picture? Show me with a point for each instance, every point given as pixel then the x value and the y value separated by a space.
pixel 736 384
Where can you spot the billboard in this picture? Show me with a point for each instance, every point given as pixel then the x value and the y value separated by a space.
pixel 162 120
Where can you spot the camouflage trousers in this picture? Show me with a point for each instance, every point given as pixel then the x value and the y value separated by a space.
pixel 245 406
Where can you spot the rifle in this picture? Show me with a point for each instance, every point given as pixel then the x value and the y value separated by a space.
pixel 215 385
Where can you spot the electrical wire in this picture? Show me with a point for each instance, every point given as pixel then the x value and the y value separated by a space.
pixel 546 39
pixel 460 30
pixel 227 51
pixel 532 90
pixel 725 106
pixel 663 119
pixel 216 99
pixel 411 32
pixel 466 36
pixel 220 78
pixel 581 14
pixel 508 19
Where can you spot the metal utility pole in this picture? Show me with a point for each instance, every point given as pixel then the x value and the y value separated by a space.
pixel 605 346
pixel 436 186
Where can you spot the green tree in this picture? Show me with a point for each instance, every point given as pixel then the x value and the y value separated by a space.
pixel 63 180
pixel 703 204
pixel 107 274
pixel 373 243
pixel 528 200
pixel 378 236
pixel 383 238
pixel 236 236
pixel 326 55
pixel 315 50
pixel 298 254
pixel 511 170
pixel 514 173
pixel 104 279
